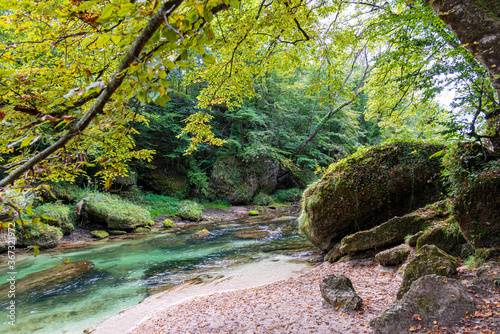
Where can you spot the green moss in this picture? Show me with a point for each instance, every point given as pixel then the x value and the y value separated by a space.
pixel 57 214
pixel 167 223
pixel 288 195
pixel 114 212
pixel 201 234
pixel 262 199
pixel 141 230
pixel 63 191
pixel 253 213
pixel 100 234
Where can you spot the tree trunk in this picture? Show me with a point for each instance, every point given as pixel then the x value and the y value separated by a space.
pixel 476 23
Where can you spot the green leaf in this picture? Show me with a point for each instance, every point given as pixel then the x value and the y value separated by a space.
pixel 106 13
pixel 29 210
pixel 36 250
pixel 234 3
pixel 208 58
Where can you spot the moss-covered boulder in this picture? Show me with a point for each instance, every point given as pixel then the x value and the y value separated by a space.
pixel 48 279
pixel 201 234
pixel 428 260
pixel 253 213
pixel 475 179
pixel 390 233
pixel 113 212
pixel 57 214
pixel 489 275
pixel 446 237
pixel 431 300
pixel 239 181
pixel 168 223
pixel 393 256
pixel 411 239
pixel 368 188
pixel 190 210
pixel 43 237
pixel 63 191
pixel 99 234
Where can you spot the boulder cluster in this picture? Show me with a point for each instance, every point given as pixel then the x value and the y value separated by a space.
pixel 390 201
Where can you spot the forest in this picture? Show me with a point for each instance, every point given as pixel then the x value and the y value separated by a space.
pixel 364 134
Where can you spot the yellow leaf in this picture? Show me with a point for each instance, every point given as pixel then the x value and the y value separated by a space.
pixel 200 9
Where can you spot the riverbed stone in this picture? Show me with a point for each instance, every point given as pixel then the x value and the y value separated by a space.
pixel 47 279
pixel 393 256
pixel 99 234
pixel 253 213
pixel 201 234
pixel 488 275
pixel 368 188
pixel 337 290
pixel 141 230
pixel 431 300
pixel 252 233
pixel 117 232
pixel 168 223
pixel 428 260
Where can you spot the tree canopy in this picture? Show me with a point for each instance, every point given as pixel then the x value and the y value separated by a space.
pixel 74 73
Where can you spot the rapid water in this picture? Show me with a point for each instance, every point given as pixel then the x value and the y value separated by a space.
pixel 125 269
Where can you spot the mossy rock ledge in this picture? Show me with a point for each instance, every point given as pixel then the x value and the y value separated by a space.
pixel 48 237
pixel 368 188
pixel 428 260
pixel 445 237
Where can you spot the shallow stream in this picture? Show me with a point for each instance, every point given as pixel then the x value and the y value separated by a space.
pixel 125 268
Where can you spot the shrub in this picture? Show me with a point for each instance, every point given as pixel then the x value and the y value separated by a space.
pixel 262 199
pixel 288 195
pixel 57 214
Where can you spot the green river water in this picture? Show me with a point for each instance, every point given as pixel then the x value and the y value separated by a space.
pixel 125 268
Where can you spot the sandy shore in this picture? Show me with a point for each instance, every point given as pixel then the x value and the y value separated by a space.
pixel 293 305
pixel 267 271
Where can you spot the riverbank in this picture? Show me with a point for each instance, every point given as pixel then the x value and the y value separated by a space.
pixel 293 305
pixel 246 276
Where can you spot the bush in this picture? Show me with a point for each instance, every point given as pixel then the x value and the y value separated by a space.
pixel 288 195
pixel 190 210
pixel 114 212
pixel 262 199
pixel 57 214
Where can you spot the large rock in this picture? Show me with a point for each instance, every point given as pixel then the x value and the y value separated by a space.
pixel 239 181
pixel 427 261
pixel 393 256
pixel 431 300
pixel 446 236
pixel 489 275
pixel 59 215
pixel 47 279
pixel 43 237
pixel 475 181
pixel 368 188
pixel 337 290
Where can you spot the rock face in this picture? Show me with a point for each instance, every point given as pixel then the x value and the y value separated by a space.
pixel 334 254
pixel 431 298
pixel 337 290
pixel 239 181
pixel 369 188
pixel 427 261
pixel 47 279
pixel 475 177
pixel 48 237
pixel 393 256
pixel 446 237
